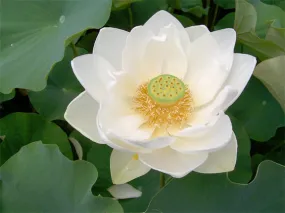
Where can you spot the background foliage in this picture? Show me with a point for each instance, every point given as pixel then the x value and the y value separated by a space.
pixel 40 170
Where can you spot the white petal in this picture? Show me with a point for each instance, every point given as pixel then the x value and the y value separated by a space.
pixel 77 146
pixel 94 73
pixel 126 167
pixel 164 54
pixel 206 71
pixel 223 100
pixel 124 191
pixel 226 38
pixel 129 127
pixel 175 59
pixel 120 119
pixel 162 19
pixel 223 160
pixel 130 130
pixel 133 52
pixel 131 136
pixel 117 142
pixel 171 162
pixel 126 86
pixel 109 44
pixel 119 124
pixel 195 32
pixel 242 69
pixel 155 143
pixel 212 137
pixel 81 113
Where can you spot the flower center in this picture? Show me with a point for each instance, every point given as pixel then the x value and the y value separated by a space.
pixel 166 89
pixel 164 101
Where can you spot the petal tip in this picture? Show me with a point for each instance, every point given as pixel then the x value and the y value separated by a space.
pixel 124 191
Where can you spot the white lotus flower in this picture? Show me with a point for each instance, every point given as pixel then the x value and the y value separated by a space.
pixel 158 94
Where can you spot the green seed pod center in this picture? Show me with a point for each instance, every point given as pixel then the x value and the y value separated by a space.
pixel 166 89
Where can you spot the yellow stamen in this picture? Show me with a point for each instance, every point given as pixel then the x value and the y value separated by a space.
pixel 167 110
pixel 135 157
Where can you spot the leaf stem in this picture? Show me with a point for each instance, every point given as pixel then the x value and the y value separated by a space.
pixel 208 2
pixel 177 4
pixel 274 149
pixel 170 10
pixel 215 17
pixel 131 17
pixel 161 180
pixel 75 52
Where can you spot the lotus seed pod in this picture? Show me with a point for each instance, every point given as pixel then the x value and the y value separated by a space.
pixel 166 89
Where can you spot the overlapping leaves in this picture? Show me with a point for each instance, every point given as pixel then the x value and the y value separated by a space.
pixel 215 193
pixel 62 88
pixel 34 35
pixel 40 179
pixel 19 129
pixel 261 27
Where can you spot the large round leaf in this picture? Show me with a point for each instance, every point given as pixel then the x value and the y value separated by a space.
pixel 149 186
pixel 62 87
pixel 258 111
pixel 6 97
pixel 98 155
pixel 19 129
pixel 272 73
pixel 199 193
pixel 34 34
pixel 242 172
pixel 40 179
pixel 251 23
pixel 226 22
pixel 84 142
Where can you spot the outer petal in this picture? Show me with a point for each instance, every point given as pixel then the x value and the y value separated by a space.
pixel 109 44
pixel 81 113
pixel 126 167
pixel 206 71
pixel 242 69
pixel 94 73
pixel 210 137
pixel 120 119
pixel 124 191
pixel 133 52
pixel 195 32
pixel 226 38
pixel 128 132
pixel 156 143
pixel 165 54
pixel 120 125
pixel 205 114
pixel 147 56
pixel 169 161
pixel 223 160
pixel 162 19
pixel 116 141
